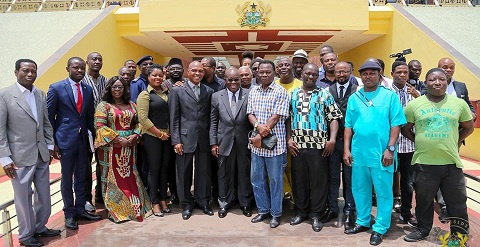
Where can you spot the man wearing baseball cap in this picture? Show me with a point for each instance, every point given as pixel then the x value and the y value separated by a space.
pixel 299 60
pixel 372 124
pixel 141 82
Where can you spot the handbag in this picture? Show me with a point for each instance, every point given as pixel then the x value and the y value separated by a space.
pixel 268 142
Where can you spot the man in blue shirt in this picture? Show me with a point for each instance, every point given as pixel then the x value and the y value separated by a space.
pixel 372 125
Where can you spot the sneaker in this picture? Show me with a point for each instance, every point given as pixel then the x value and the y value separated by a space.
pixel 397 204
pixel 409 219
pixel 415 236
pixel 89 207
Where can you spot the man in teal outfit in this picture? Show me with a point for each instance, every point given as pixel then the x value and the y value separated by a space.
pixel 372 124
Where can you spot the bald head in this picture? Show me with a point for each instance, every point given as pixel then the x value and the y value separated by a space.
pixel 232 79
pixel 195 72
pixel 309 75
pixel 448 65
pixel 125 73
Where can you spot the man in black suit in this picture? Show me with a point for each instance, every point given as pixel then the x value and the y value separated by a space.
pixel 189 123
pixel 454 87
pixel 229 127
pixel 340 91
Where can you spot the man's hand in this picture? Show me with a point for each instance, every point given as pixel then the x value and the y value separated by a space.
pixel 329 147
pixel 56 153
pixel 257 141
pixel 10 170
pixel 215 150
pixel 178 149
pixel 263 130
pixel 387 158
pixel 178 84
pixel 412 91
pixel 347 157
pixel 292 147
pixel 52 153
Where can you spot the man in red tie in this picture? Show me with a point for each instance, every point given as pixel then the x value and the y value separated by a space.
pixel 70 111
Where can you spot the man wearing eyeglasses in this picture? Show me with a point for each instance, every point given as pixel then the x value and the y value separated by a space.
pixel 229 127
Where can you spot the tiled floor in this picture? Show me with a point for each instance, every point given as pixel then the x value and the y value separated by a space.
pixel 233 230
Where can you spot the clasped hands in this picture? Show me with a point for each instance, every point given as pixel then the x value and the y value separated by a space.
pixel 129 141
pixel 263 130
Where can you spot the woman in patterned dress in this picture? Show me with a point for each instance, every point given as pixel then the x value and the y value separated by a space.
pixel 117 134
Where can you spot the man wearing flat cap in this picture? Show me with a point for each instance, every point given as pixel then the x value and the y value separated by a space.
pixel 141 82
pixel 373 119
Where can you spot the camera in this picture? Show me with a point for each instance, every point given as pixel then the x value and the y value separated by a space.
pixel 401 55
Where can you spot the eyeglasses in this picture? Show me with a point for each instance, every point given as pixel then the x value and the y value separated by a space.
pixel 117 87
pixel 255 68
pixel 342 72
pixel 233 80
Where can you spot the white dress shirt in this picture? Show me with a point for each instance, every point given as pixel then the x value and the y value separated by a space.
pixel 74 89
pixel 451 89
pixel 345 86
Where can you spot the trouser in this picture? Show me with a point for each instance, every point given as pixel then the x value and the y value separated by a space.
pixel 267 182
pixel 234 177
pixel 202 178
pixel 214 172
pixel 382 180
pixel 74 166
pixel 142 164
pixel 287 175
pixel 406 182
pixel 450 179
pixel 310 182
pixel 172 173
pixel 32 216
pixel 335 162
pixel 157 154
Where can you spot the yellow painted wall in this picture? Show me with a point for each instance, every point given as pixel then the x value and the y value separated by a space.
pixel 402 34
pixel 105 39
pixel 217 15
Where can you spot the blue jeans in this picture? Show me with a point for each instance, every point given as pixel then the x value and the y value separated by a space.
pixel 268 196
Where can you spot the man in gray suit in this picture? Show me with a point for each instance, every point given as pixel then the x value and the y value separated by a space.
pixel 189 125
pixel 229 127
pixel 26 148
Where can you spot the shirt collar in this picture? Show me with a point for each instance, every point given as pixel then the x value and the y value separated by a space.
pixel 23 89
pixel 398 89
pixel 191 84
pixel 344 85
pixel 72 82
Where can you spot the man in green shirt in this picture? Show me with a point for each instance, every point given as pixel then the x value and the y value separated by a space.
pixel 437 117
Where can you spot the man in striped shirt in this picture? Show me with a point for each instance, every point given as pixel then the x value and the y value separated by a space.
pixel 98 82
pixel 267 110
pixel 406 148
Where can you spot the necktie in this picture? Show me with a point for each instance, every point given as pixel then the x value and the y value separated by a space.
pixel 233 104
pixel 79 98
pixel 196 91
pixel 341 92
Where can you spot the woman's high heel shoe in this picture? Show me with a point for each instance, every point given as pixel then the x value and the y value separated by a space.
pixel 159 214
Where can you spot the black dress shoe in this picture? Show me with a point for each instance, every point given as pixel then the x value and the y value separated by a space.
pixel 71 223
pixel 260 218
pixel 246 211
pixel 88 216
pixel 330 215
pixel 208 210
pixel 349 221
pixel 274 222
pixel 48 233
pixel 376 238
pixel 316 224
pixel 31 242
pixel 356 229
pixel 297 220
pixel 186 214
pixel 222 212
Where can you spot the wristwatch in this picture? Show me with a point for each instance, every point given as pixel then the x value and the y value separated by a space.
pixel 391 148
pixel 255 125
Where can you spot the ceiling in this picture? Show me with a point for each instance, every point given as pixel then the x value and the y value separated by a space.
pixel 267 44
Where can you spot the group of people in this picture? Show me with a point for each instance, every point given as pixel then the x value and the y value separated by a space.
pixel 255 134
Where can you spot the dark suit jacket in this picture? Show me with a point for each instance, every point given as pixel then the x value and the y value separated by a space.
pixel 67 123
pixel 189 118
pixel 227 126
pixel 462 92
pixel 342 103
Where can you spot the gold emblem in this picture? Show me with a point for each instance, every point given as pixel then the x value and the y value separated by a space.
pixel 453 240
pixel 253 15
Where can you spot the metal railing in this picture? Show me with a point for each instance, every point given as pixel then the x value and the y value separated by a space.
pixel 477 182
pixel 6 218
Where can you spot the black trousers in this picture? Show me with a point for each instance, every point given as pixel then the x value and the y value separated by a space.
pixel 157 153
pixel 142 164
pixel 234 177
pixel 406 182
pixel 450 179
pixel 310 182
pixel 202 178
pixel 172 173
